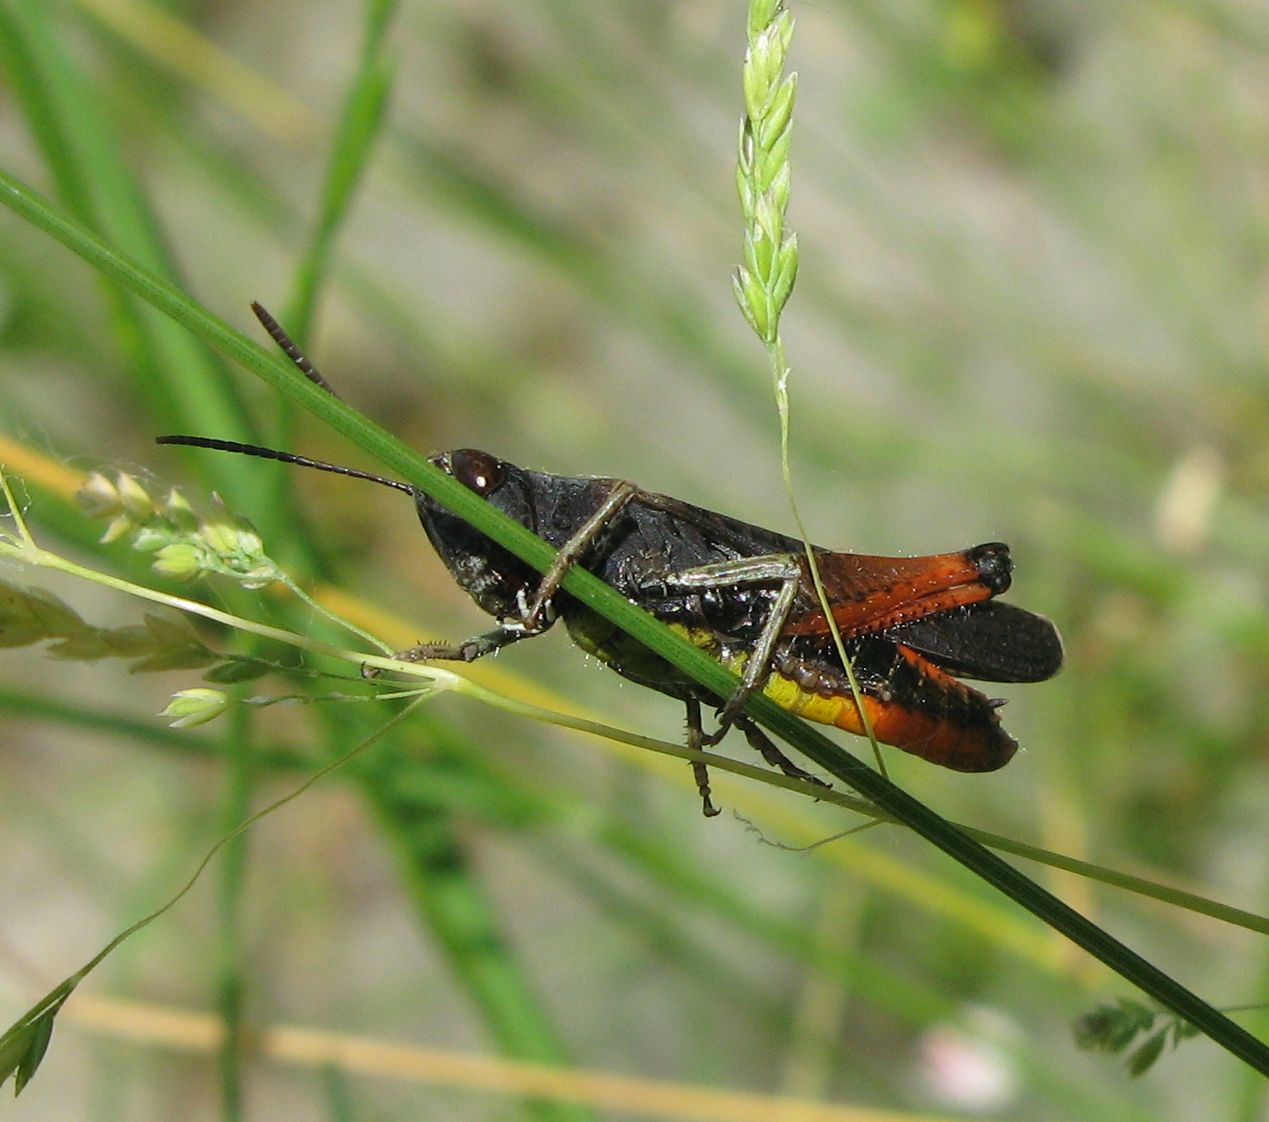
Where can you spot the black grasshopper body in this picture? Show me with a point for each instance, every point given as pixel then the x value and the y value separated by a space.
pixel 912 626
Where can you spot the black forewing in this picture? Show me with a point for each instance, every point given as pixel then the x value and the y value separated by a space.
pixel 992 641
pixel 725 534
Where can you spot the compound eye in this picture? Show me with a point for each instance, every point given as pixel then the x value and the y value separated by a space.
pixel 477 471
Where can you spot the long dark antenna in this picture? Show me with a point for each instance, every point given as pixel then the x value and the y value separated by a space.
pixel 290 348
pixel 283 457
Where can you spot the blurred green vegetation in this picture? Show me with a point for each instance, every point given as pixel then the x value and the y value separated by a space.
pixel 1031 308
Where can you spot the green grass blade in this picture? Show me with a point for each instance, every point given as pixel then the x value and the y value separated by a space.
pixel 360 125
pixel 453 906
pixel 179 378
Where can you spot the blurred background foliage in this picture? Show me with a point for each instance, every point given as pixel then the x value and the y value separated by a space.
pixel 1031 307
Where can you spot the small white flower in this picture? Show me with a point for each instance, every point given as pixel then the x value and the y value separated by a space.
pixel 179 560
pixel 99 497
pixel 135 498
pixel 221 538
pixel 195 706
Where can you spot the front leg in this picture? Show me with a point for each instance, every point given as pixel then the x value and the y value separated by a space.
pixel 537 615
pixel 780 569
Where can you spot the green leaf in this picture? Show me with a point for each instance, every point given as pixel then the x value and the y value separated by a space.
pixel 42 1033
pixel 129 642
pixel 14 1044
pixel 238 670
pixel 1143 1059
pixel 1183 1030
pixel 56 617
pixel 170 632
pixel 19 633
pixel 178 658
pixel 172 645
pixel 29 615
pixel 23 1046
pixel 88 647
pixel 1111 1028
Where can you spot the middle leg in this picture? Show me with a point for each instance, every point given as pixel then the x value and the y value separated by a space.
pixel 781 571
